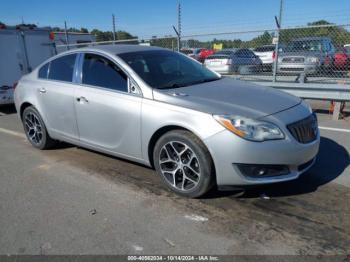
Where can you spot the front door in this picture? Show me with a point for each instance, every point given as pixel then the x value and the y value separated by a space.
pixel 108 116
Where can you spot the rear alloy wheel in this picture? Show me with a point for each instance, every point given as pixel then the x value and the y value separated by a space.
pixel 184 163
pixel 35 129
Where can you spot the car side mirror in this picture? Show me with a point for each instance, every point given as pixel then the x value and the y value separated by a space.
pixel 133 88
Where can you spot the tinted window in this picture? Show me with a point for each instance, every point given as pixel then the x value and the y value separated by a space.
pixel 225 52
pixel 62 68
pixel 167 69
pixel 304 45
pixel 247 53
pixel 43 71
pixel 186 51
pixel 266 48
pixel 243 53
pixel 99 71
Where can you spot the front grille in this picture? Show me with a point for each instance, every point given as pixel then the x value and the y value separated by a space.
pixel 293 60
pixel 305 130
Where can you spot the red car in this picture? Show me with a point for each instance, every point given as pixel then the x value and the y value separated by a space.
pixel 342 59
pixel 204 53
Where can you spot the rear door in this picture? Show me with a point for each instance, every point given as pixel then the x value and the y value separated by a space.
pixel 55 93
pixel 108 115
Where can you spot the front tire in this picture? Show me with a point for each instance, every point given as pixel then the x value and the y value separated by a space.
pixel 184 163
pixel 35 129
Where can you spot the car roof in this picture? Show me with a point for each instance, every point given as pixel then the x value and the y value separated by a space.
pixel 117 49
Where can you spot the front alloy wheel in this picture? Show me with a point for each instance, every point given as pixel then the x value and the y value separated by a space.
pixel 179 165
pixel 184 163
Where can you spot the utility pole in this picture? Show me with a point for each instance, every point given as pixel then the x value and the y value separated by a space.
pixel 66 34
pixel 113 21
pixel 279 24
pixel 179 26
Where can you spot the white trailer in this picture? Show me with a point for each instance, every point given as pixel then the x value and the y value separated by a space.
pixel 22 48
pixel 73 39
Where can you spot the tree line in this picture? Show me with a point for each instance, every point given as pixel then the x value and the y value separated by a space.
pixel 100 35
pixel 339 36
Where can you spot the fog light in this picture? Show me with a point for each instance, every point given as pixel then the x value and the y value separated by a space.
pixel 252 170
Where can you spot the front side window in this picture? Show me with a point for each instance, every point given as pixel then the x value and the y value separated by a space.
pixel 101 72
pixel 62 68
pixel 43 71
pixel 164 69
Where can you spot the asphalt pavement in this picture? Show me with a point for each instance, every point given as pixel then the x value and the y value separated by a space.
pixel 71 200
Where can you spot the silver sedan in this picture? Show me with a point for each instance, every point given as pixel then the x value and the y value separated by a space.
pixel 163 109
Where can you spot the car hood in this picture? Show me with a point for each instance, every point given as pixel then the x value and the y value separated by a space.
pixel 229 96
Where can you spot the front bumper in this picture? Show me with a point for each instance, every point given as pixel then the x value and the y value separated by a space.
pixel 228 149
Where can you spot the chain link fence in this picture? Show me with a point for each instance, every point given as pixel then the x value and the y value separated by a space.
pixel 315 53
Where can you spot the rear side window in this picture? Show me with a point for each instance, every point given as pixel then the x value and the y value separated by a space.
pixel 62 68
pixel 101 72
pixel 43 71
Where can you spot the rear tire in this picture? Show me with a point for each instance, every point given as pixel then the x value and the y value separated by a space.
pixel 35 129
pixel 184 163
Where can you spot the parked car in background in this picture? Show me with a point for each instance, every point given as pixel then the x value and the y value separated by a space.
pixel 162 109
pixel 6 95
pixel 310 55
pixel 198 54
pixel 204 53
pixel 187 51
pixel 228 61
pixel 267 54
pixel 191 52
pixel 342 59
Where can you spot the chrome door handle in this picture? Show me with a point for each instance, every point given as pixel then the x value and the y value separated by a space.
pixel 42 90
pixel 82 99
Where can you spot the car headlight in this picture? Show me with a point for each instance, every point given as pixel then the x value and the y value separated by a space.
pixel 312 60
pixel 250 129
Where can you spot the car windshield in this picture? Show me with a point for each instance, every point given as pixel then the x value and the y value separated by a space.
pixel 164 69
pixel 304 45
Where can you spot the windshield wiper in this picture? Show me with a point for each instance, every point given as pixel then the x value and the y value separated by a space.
pixel 172 86
pixel 176 85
